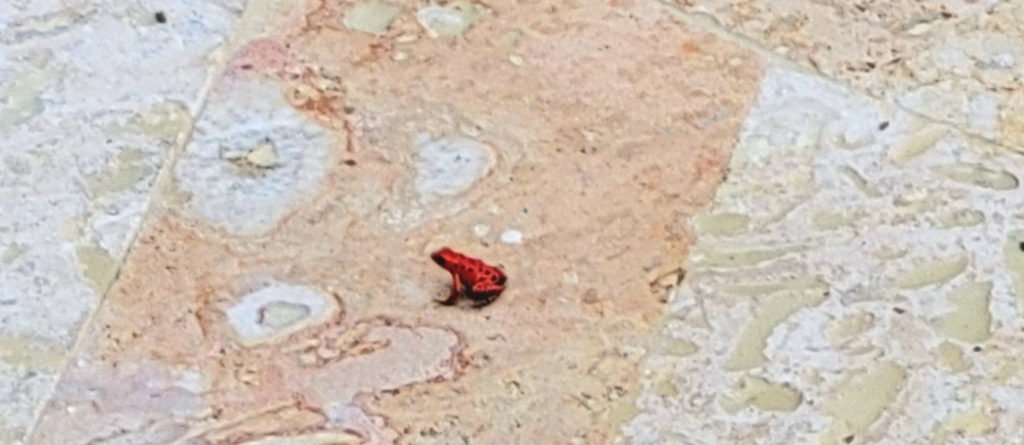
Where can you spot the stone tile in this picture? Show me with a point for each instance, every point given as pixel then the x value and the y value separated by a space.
pixel 957 62
pixel 283 290
pixel 93 98
pixel 855 219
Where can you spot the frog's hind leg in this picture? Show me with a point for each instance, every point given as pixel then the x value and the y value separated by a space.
pixel 484 293
pixel 486 288
pixel 480 301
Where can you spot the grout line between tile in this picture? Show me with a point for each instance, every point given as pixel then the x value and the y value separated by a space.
pixel 161 182
pixel 241 34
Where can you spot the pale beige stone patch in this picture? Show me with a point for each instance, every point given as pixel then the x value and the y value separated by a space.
pixel 773 310
pixel 858 403
pixel 760 394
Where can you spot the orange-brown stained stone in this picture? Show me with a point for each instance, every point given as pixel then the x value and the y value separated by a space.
pixel 604 139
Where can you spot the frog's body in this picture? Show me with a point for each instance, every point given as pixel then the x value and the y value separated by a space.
pixel 479 281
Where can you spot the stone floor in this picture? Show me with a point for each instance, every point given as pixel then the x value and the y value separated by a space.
pixel 723 222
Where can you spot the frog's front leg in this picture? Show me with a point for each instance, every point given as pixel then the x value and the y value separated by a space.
pixel 456 290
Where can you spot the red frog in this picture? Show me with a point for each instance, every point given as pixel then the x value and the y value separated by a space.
pixel 482 283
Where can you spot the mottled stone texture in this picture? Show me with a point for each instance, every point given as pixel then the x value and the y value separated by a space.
pixel 281 289
pixel 93 96
pixel 954 61
pixel 862 291
pixel 723 222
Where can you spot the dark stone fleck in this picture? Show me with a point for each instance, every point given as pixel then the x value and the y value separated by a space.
pixel 160 17
pixel 882 126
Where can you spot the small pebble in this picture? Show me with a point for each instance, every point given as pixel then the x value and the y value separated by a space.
pixel 920 29
pixel 511 237
pixel 308 359
pixel 400 56
pixel 263 156
pixel 571 277
pixel 406 38
pixel 481 230
pixel 327 353
pixel 516 59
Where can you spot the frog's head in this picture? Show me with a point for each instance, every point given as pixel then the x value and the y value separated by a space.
pixel 442 257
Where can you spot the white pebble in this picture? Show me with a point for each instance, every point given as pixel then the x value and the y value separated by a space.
pixel 406 38
pixel 571 277
pixel 511 237
pixel 481 230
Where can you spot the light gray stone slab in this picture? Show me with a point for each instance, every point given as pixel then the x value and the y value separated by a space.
pixel 94 97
